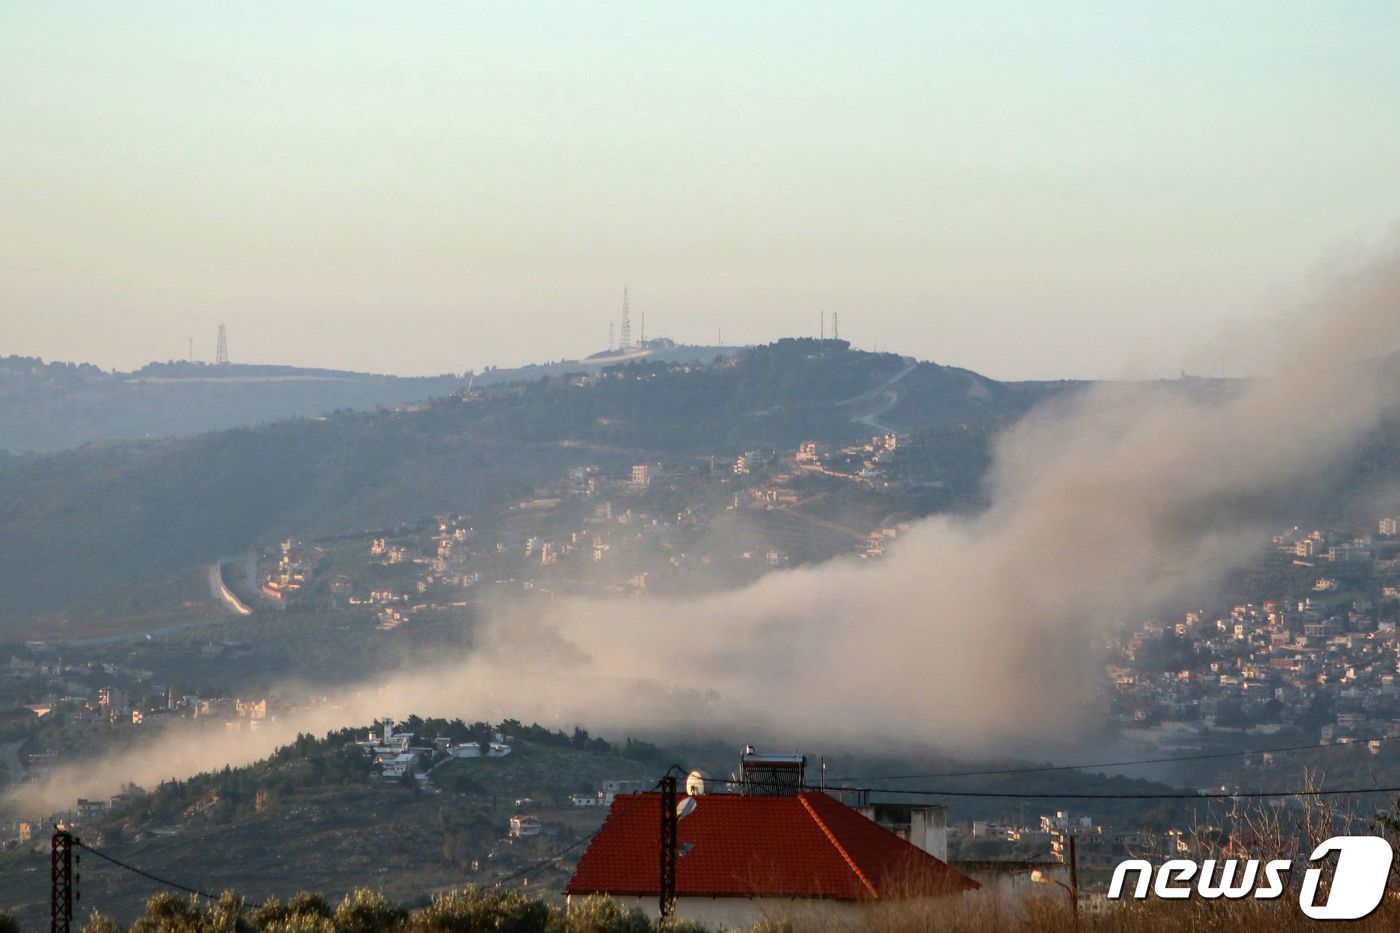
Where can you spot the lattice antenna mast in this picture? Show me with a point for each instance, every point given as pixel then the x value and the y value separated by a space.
pixel 63 891
pixel 835 325
pixel 626 323
pixel 221 348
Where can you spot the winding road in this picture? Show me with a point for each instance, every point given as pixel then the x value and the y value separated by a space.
pixel 219 589
pixel 888 396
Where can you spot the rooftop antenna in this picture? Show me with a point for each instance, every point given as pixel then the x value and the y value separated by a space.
pixel 221 348
pixel 626 323
pixel 835 326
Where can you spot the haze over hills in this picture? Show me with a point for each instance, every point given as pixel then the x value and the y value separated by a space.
pixel 94 526
pixel 45 407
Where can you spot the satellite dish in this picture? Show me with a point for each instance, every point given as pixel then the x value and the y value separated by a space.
pixel 685 808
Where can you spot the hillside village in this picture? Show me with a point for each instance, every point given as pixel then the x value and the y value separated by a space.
pixel 651 527
pixel 1318 658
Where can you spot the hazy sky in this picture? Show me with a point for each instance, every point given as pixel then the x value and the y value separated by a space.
pixel 1034 189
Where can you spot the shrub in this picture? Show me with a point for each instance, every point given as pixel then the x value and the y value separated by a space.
pixel 473 909
pixel 365 911
pixel 169 913
pixel 99 922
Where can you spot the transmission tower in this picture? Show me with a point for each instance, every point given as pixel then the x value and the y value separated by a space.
pixel 626 323
pixel 62 891
pixel 221 348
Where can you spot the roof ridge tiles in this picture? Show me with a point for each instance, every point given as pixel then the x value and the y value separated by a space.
pixel 846 856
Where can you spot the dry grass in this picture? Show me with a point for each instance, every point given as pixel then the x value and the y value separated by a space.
pixel 1043 915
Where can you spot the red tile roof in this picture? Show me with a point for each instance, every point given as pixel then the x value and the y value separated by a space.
pixel 808 845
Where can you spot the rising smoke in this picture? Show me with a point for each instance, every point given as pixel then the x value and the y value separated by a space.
pixel 972 634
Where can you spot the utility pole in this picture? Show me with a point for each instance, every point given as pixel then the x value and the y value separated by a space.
pixel 670 828
pixel 1073 881
pixel 61 894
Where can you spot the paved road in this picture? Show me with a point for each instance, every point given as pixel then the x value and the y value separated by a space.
pixel 886 397
pixel 219 589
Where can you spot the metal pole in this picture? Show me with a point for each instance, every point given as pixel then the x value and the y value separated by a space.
pixel 61 871
pixel 1074 882
pixel 670 820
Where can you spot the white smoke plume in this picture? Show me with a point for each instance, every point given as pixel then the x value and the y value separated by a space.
pixel 972 634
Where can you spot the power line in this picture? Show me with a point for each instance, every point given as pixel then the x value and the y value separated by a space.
pixel 1069 795
pixel 1321 746
pixel 199 892
pixel 531 869
pixel 1174 795
pixel 150 877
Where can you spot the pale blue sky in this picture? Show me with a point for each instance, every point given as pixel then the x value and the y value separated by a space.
pixel 1031 190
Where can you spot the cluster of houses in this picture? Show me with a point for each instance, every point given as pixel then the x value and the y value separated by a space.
pixel 1266 667
pixel 865 463
pixel 446 560
pixel 395 754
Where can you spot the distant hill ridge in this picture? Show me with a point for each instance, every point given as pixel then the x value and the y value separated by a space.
pixel 92 525
pixel 51 406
